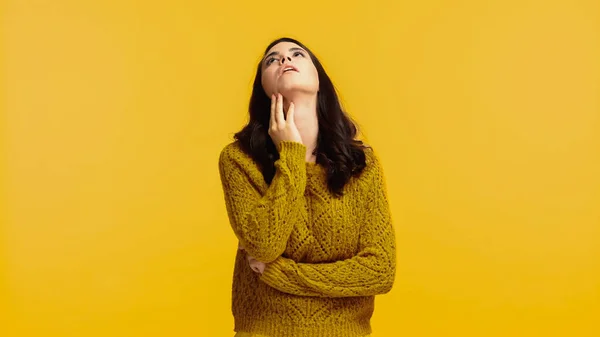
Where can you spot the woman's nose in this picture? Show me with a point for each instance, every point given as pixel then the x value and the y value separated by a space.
pixel 283 59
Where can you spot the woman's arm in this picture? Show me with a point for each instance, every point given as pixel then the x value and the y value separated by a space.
pixel 370 272
pixel 263 223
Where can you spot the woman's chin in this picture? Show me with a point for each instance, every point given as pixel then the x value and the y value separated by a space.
pixel 294 90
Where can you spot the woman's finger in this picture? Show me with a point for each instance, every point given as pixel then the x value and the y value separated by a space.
pixel 290 113
pixel 279 110
pixel 273 102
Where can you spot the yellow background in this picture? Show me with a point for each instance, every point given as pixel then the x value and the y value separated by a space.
pixel 486 115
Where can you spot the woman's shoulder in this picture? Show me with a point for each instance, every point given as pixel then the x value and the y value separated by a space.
pixel 371 158
pixel 233 154
pixel 373 170
pixel 231 150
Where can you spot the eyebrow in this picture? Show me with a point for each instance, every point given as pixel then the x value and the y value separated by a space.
pixel 277 53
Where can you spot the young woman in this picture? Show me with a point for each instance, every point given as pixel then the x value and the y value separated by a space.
pixel 307 202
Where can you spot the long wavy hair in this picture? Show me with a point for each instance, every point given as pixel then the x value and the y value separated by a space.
pixel 338 150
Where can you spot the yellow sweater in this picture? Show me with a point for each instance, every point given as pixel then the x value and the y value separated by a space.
pixel 327 256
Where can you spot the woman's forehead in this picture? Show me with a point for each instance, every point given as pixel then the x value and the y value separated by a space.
pixel 283 47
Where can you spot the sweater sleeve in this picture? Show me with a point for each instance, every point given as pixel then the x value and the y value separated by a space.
pixel 263 223
pixel 370 272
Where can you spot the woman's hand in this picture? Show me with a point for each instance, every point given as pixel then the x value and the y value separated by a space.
pixel 256 265
pixel 282 128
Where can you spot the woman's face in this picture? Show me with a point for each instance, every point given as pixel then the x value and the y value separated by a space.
pixel 287 67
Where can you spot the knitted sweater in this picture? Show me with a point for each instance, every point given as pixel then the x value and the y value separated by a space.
pixel 326 256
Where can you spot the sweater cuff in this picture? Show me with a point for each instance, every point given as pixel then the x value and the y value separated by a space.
pixel 292 151
pixel 272 273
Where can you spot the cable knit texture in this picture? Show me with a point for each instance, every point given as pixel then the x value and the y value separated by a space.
pixel 327 256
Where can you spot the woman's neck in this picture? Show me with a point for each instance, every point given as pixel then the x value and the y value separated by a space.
pixel 306 120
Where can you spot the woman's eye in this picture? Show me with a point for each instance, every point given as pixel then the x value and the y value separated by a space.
pixel 298 54
pixel 271 60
